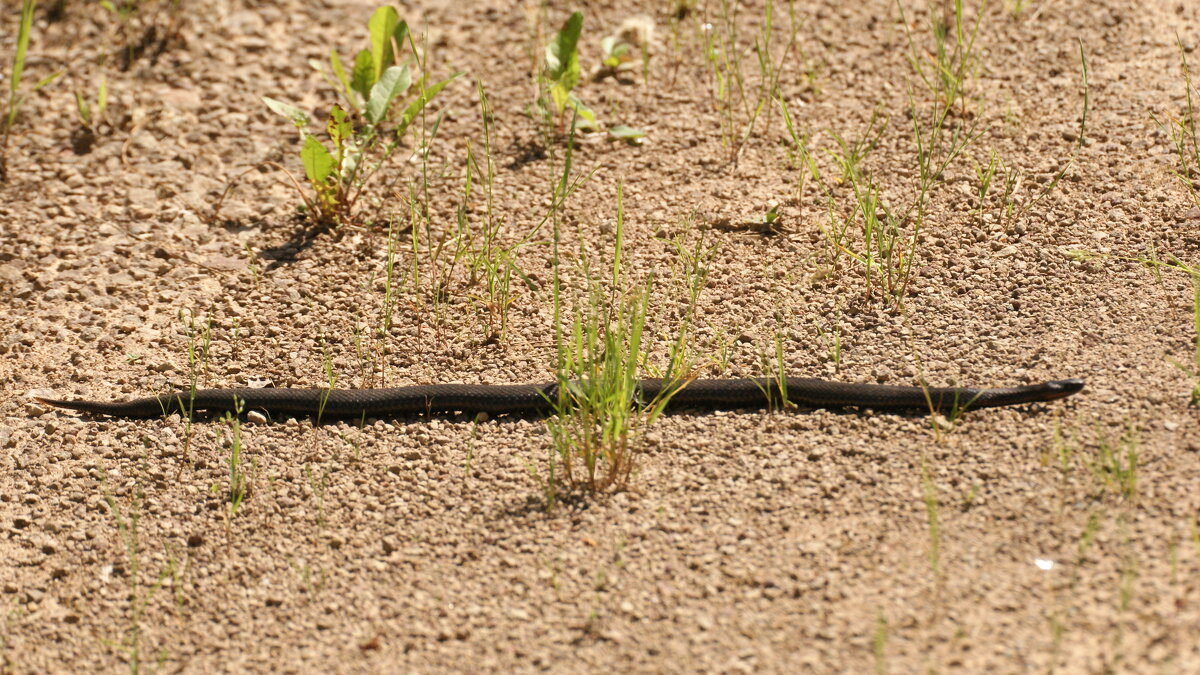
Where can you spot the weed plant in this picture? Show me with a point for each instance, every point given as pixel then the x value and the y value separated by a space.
pixel 239 482
pixel 560 74
pixel 1182 133
pixel 363 132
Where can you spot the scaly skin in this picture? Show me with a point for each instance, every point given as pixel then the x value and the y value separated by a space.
pixel 535 398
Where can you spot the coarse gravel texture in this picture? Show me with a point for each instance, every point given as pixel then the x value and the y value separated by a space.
pixel 797 541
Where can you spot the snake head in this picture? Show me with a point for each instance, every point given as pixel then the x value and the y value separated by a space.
pixel 1063 388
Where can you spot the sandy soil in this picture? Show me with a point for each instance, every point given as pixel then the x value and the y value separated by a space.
pixel 1053 537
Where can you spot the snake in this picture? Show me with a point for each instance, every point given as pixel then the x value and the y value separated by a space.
pixel 517 399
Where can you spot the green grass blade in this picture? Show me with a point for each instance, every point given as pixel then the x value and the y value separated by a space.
pixel 296 115
pixel 23 32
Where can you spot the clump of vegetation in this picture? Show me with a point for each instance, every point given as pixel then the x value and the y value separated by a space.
pixel 601 341
pixel 363 133
pixel 1182 133
pixel 877 236
pixel 15 97
pixel 742 100
pixel 595 419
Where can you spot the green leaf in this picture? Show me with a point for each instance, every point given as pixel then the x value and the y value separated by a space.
pixel 400 35
pixel 624 133
pixel 363 76
pixel 85 111
pixel 318 163
pixel 296 115
pixel 418 104
pixel 340 129
pixel 586 118
pixel 395 81
pixel 382 26
pixel 339 71
pixel 562 56
pixel 613 50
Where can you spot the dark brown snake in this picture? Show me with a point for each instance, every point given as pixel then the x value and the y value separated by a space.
pixel 538 398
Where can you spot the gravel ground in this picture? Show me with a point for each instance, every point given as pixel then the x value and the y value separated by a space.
pixel 1058 537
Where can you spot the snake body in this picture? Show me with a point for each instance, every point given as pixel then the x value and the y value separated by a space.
pixel 539 398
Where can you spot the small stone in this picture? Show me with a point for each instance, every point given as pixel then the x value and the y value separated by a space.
pixel 143 198
pixel 256 417
pixel 195 541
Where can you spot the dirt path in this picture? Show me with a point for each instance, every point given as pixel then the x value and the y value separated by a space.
pixel 1058 537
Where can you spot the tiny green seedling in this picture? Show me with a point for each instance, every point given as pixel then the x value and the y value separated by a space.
pixel 90 118
pixel 239 484
pixel 771 217
pixel 615 52
pixel 330 378
pixel 597 412
pixel 318 487
pixel 560 75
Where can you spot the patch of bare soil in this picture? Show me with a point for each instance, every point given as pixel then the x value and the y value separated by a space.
pixel 1046 537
